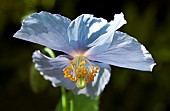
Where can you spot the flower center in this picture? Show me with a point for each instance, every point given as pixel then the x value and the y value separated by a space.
pixel 80 71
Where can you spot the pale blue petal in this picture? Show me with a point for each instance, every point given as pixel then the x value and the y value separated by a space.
pixel 52 69
pixel 46 29
pixel 125 51
pixel 81 28
pixel 95 88
pixel 103 37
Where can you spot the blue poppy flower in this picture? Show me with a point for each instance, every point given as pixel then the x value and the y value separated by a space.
pixel 90 45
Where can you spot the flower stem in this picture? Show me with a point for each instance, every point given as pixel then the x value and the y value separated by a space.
pixel 63 92
pixel 72 103
pixel 50 52
pixel 64 99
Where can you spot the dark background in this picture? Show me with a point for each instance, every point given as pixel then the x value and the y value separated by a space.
pixel 128 90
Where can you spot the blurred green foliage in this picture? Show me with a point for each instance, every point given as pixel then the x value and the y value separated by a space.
pixel 128 90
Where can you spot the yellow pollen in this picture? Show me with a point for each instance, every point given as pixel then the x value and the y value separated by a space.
pixel 80 72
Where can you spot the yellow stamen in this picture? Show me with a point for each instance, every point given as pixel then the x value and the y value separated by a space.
pixel 82 63
pixel 80 71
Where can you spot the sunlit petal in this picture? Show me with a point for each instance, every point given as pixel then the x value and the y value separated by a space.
pixel 46 29
pixel 103 37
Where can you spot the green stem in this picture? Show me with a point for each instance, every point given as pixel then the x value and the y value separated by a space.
pixel 63 92
pixel 72 103
pixel 64 99
pixel 50 52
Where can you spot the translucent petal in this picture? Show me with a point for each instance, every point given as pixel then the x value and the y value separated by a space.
pixel 103 37
pixel 46 29
pixel 52 69
pixel 95 88
pixel 125 51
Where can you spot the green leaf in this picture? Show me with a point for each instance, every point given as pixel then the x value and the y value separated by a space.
pixel 38 83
